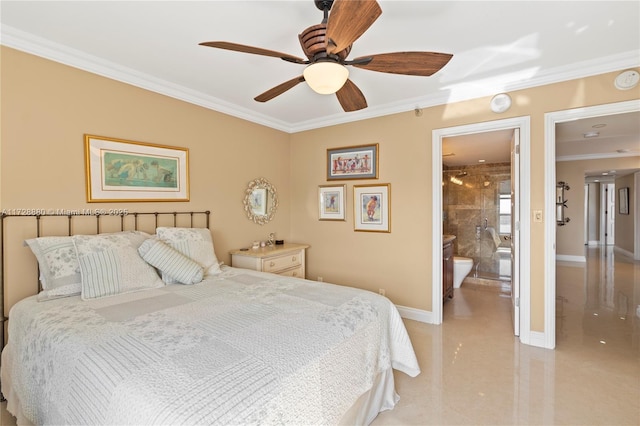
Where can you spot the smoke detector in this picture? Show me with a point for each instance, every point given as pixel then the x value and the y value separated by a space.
pixel 500 103
pixel 627 80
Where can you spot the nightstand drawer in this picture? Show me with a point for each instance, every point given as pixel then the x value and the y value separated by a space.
pixel 296 272
pixel 284 259
pixel 276 264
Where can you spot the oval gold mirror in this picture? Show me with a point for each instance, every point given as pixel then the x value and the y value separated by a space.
pixel 260 201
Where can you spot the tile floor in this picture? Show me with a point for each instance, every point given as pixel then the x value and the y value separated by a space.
pixel 474 371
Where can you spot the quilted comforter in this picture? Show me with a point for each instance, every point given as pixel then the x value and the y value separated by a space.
pixel 240 348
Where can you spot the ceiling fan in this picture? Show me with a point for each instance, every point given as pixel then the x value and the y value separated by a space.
pixel 327 46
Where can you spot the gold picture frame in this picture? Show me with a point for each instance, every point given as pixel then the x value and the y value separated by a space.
pixel 372 207
pixel 332 202
pixel 353 162
pixel 119 170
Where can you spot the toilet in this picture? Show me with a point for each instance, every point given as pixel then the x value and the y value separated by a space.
pixel 461 268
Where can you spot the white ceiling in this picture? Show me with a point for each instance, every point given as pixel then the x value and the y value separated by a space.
pixel 497 47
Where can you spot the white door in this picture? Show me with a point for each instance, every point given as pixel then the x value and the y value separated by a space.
pixel 609 214
pixel 515 230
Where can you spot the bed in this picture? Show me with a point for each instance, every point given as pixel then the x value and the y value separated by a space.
pixel 143 341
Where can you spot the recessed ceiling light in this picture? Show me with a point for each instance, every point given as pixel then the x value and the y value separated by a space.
pixel 604 173
pixel 481 161
pixel 591 134
pixel 622 151
pixel 596 180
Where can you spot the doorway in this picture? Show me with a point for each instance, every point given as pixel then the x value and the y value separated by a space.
pixel 521 281
pixel 548 338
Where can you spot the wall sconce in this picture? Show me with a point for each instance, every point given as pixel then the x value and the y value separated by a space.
pixel 561 203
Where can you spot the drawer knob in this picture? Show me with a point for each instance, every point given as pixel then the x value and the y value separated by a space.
pixel 272 264
pixel 293 258
pixel 295 274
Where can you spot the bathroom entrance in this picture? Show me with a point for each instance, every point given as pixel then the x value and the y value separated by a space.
pixel 476 201
pixel 480 202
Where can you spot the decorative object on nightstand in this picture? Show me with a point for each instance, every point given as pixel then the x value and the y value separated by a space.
pixel 282 259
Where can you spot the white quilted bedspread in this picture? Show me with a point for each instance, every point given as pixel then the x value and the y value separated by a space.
pixel 240 348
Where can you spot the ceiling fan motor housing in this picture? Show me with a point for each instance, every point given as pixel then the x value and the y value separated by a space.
pixel 323 4
pixel 314 45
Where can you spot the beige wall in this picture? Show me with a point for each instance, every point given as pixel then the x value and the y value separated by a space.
pixel 47 107
pixel 626 223
pixel 400 261
pixel 570 237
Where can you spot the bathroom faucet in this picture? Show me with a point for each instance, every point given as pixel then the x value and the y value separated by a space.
pixel 486 223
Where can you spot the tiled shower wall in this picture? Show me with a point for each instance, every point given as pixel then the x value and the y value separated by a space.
pixel 467 203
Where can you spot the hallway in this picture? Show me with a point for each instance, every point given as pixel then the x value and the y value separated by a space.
pixel 475 372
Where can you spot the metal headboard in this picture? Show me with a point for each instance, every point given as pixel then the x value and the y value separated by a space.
pixel 126 223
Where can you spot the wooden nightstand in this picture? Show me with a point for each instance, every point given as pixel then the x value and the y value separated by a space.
pixel 285 259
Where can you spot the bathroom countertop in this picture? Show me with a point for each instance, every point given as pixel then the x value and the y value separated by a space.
pixel 448 238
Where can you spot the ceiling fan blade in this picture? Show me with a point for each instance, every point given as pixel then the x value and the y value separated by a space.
pixel 254 50
pixel 279 89
pixel 350 97
pixel 349 19
pixel 406 63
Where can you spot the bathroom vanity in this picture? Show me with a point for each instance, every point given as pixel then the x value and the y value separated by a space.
pixel 447 266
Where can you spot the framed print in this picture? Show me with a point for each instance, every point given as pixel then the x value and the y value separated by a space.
pixel 372 207
pixel 121 170
pixel 623 196
pixel 258 201
pixel 354 162
pixel 332 202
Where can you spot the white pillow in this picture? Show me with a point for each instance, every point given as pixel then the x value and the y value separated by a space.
pixel 195 243
pixel 59 267
pixel 171 262
pixel 110 264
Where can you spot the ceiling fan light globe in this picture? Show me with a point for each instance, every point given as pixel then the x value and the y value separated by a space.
pixel 326 77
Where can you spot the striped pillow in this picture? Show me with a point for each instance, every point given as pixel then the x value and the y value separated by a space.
pixel 171 262
pixel 110 264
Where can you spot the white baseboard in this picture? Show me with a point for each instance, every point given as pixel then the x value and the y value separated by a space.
pixel 569 258
pixel 538 339
pixel 623 251
pixel 593 243
pixel 415 314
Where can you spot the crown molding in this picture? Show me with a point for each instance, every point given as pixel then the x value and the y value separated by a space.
pixel 600 156
pixel 26 42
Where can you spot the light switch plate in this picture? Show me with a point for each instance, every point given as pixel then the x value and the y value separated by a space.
pixel 537 215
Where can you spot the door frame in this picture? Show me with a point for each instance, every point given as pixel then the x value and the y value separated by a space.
pixel 550 121
pixel 607 214
pixel 523 123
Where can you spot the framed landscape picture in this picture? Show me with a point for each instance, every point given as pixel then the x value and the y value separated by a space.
pixel 372 208
pixel 354 162
pixel 332 202
pixel 122 170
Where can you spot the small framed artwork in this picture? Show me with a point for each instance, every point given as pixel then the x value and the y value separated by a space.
pixel 372 207
pixel 122 170
pixel 332 202
pixel 623 196
pixel 354 162
pixel 258 201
